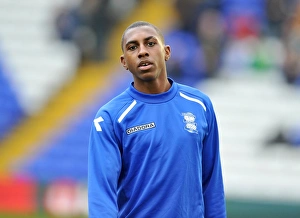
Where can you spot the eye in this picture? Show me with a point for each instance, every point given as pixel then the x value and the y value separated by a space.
pixel 132 47
pixel 151 44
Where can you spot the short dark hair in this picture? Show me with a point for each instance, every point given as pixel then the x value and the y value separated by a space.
pixel 140 24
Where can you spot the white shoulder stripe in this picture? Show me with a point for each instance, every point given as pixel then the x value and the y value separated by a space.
pixel 193 99
pixel 126 111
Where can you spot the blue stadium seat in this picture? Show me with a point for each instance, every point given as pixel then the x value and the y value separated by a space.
pixel 11 113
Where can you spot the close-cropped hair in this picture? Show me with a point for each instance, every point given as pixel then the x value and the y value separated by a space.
pixel 140 24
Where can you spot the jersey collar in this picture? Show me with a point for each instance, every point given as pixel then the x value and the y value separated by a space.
pixel 154 98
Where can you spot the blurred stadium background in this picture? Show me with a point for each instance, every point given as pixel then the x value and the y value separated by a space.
pixel 59 62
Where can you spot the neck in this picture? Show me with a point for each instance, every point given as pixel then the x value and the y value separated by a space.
pixel 153 87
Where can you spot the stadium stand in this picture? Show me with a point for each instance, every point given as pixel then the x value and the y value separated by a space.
pixel 249 110
pixel 33 52
pixel 65 156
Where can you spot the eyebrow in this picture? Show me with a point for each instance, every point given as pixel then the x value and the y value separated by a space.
pixel 135 41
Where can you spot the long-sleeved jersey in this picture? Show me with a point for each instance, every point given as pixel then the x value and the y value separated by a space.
pixel 156 156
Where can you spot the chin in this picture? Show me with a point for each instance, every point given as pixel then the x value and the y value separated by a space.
pixel 148 76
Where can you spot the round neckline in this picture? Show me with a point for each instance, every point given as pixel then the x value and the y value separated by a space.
pixel 153 98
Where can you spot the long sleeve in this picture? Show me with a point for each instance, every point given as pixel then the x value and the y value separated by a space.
pixel 104 165
pixel 213 190
pixel 156 156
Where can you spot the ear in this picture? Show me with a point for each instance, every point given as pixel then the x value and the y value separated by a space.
pixel 167 52
pixel 123 62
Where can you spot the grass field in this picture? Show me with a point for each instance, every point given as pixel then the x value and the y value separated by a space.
pixel 259 209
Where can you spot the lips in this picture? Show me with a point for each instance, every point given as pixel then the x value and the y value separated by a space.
pixel 144 63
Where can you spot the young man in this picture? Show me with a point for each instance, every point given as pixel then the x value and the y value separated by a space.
pixel 154 149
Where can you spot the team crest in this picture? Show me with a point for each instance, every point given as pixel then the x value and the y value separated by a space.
pixel 190 122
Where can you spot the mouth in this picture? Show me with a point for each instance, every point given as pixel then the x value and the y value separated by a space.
pixel 144 65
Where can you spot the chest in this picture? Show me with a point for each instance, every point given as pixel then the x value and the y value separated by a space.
pixel 163 128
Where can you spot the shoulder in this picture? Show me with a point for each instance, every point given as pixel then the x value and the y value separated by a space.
pixel 115 106
pixel 195 93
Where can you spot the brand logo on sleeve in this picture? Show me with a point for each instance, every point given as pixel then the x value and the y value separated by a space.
pixel 140 128
pixel 190 122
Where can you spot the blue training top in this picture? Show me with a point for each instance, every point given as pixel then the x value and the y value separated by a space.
pixel 156 156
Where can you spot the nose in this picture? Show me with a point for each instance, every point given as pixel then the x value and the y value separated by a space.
pixel 143 51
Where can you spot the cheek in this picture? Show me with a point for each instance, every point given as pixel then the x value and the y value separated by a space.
pixel 127 61
pixel 162 59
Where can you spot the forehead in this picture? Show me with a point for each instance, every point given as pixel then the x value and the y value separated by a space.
pixel 140 33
